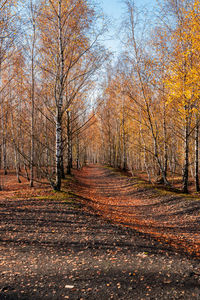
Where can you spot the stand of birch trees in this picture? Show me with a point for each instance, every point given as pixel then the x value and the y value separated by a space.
pixel 49 55
pixel 146 117
pixel 150 118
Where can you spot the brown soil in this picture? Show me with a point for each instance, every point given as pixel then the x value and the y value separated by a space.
pixel 173 217
pixel 64 250
pixel 11 188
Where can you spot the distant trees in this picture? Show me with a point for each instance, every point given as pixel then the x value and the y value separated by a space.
pixel 42 104
pixel 155 94
pixel 69 57
pixel 8 34
pixel 146 116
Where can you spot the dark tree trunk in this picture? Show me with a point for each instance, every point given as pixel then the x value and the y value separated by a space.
pixel 165 143
pixel 124 141
pixel 62 167
pixel 77 152
pixel 186 163
pixel 69 148
pixel 57 185
pixel 197 154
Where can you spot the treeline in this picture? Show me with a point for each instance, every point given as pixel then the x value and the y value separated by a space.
pixel 49 55
pixel 146 117
pixel 151 112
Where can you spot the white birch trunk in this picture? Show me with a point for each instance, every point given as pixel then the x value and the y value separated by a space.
pixel 32 95
pixel 59 101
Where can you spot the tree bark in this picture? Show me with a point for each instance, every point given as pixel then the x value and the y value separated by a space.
pixel 124 139
pixel 4 138
pixel 62 167
pixel 69 146
pixel 77 152
pixel 186 162
pixel 58 150
pixel 59 102
pixel 15 152
pixel 197 154
pixel 32 94
pixel 165 142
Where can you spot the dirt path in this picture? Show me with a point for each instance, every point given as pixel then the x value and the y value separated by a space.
pixel 167 216
pixel 55 250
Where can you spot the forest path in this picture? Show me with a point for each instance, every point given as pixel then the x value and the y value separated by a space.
pixel 165 215
pixel 54 250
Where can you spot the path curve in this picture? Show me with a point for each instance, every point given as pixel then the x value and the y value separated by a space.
pixel 53 250
pixel 120 198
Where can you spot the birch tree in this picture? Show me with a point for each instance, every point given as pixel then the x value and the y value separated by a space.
pixel 70 55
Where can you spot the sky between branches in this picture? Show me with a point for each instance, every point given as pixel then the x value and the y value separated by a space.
pixel 115 10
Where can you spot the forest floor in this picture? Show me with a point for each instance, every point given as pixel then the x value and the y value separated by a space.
pixel 108 236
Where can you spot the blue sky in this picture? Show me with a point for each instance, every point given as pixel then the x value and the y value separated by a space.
pixel 115 9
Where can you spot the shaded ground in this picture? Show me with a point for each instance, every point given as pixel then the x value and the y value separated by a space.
pixel 55 250
pixel 165 215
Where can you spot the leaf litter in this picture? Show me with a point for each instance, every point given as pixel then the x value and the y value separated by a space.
pixel 60 251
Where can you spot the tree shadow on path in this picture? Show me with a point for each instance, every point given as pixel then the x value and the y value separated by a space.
pixel 53 250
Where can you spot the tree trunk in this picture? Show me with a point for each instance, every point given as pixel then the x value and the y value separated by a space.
pixel 165 142
pixel 4 138
pixel 110 147
pixel 77 152
pixel 15 152
pixel 58 150
pixel 26 171
pixel 59 89
pixel 145 158
pixel 69 154
pixel 32 97
pixel 62 166
pixel 186 163
pixel 124 140
pixel 197 154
